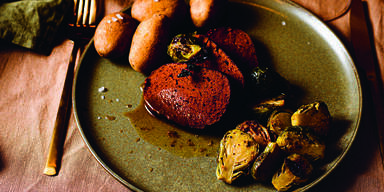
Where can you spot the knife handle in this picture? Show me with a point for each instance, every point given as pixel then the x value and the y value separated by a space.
pixel 61 122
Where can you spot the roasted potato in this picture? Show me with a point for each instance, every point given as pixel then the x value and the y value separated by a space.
pixel 206 12
pixel 113 35
pixel 149 44
pixel 174 9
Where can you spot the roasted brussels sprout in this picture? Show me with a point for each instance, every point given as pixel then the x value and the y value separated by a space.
pixel 263 109
pixel 301 140
pixel 237 152
pixel 267 162
pixel 315 116
pixel 259 133
pixel 184 48
pixel 279 120
pixel 295 170
pixel 267 83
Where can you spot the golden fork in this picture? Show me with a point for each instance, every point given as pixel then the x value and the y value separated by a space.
pixel 81 28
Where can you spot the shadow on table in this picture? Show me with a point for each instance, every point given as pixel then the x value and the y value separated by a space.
pixel 2 163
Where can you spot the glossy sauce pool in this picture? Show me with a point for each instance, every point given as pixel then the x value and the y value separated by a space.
pixel 179 141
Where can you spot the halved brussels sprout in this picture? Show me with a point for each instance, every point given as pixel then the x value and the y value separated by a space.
pixel 263 109
pixel 315 116
pixel 267 162
pixel 295 170
pixel 259 133
pixel 184 48
pixel 296 139
pixel 237 152
pixel 279 120
pixel 267 83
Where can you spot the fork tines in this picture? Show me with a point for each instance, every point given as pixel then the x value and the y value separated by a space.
pixel 85 13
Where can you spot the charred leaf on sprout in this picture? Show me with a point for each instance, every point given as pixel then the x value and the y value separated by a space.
pixel 267 163
pixel 301 140
pixel 185 48
pixel 295 170
pixel 267 83
pixel 259 133
pixel 263 109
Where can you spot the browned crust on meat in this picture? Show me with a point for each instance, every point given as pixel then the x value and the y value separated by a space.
pixel 196 100
pixel 220 61
pixel 237 44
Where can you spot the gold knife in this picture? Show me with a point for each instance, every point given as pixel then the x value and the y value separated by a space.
pixel 364 60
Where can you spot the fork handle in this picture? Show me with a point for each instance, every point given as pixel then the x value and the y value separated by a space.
pixel 61 122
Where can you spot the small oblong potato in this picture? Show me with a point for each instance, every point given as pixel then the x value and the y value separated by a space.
pixel 113 35
pixel 173 9
pixel 149 44
pixel 206 12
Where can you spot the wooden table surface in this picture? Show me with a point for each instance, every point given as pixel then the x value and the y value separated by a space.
pixel 31 84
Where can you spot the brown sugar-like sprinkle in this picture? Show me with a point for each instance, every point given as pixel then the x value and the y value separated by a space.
pixel 145 128
pixel 108 117
pixel 129 106
pixel 190 143
pixel 173 134
pixel 173 143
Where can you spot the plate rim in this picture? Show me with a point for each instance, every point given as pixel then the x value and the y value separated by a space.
pixel 316 181
pixel 83 134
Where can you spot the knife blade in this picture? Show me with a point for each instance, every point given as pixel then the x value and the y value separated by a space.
pixel 364 60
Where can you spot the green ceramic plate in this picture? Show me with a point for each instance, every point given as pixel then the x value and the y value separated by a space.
pixel 146 154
